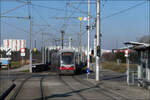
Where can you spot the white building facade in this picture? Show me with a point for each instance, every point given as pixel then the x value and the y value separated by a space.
pixel 13 44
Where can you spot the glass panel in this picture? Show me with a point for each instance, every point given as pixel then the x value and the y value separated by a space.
pixel 67 58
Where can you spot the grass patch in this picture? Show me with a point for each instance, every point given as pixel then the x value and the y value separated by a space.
pixel 27 71
pixel 15 64
pixel 121 68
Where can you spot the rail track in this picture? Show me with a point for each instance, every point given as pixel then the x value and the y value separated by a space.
pixel 18 90
pixel 113 95
pixel 67 81
pixel 42 89
pixel 71 88
pixel 20 87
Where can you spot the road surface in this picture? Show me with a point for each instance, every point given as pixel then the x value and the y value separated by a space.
pixel 51 86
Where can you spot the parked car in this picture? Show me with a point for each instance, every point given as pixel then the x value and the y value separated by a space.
pixel 5 62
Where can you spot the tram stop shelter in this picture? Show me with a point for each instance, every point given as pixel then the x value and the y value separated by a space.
pixel 143 73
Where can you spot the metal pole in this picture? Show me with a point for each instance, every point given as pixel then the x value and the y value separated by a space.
pixel 78 48
pixel 48 54
pixel 88 55
pixel 133 77
pixel 80 41
pixel 45 54
pixel 0 28
pixel 43 48
pixel 0 46
pixel 35 44
pixel 62 34
pixel 30 19
pixel 98 65
pixel 95 45
pixel 30 44
pixel 128 70
pixel 70 42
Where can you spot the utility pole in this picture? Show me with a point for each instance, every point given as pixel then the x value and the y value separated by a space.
pixel 79 41
pixel 48 52
pixel 88 55
pixel 128 70
pixel 98 65
pixel 62 37
pixel 35 43
pixel 43 48
pixel 30 19
pixel 0 29
pixel 45 51
pixel 30 44
pixel 80 37
pixel 95 46
pixel 70 42
pixel 78 48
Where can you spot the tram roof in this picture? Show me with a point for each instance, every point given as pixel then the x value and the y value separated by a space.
pixel 67 50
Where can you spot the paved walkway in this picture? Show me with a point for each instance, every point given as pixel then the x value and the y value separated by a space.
pixel 23 68
pixel 119 86
pixel 5 77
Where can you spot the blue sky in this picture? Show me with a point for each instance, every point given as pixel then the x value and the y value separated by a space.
pixel 124 26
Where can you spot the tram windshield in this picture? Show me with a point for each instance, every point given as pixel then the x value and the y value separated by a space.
pixel 67 58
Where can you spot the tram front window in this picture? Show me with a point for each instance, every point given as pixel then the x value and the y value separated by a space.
pixel 67 58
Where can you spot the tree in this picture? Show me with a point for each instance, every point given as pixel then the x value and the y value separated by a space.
pixel 145 39
pixel 120 55
pixel 108 57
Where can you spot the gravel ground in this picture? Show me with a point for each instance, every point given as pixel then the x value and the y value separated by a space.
pixel 51 86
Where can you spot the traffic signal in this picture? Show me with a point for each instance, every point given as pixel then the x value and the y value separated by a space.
pixel 92 52
pixel 98 51
pixel 88 27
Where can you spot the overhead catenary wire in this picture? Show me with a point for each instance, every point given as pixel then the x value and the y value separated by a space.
pixel 42 18
pixel 51 8
pixel 13 9
pixel 72 14
pixel 22 30
pixel 83 2
pixel 18 17
pixel 124 10
pixel 66 14
pixel 65 0
pixel 111 14
pixel 21 1
pixel 81 11
pixel 16 27
pixel 103 5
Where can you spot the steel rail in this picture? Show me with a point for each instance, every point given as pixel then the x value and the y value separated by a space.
pixel 42 89
pixel 81 96
pixel 108 92
pixel 19 88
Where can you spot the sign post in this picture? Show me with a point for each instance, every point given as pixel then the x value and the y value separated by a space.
pixel 80 41
pixel 22 50
pixel 22 53
pixel 127 63
pixel 88 72
pixel 8 52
